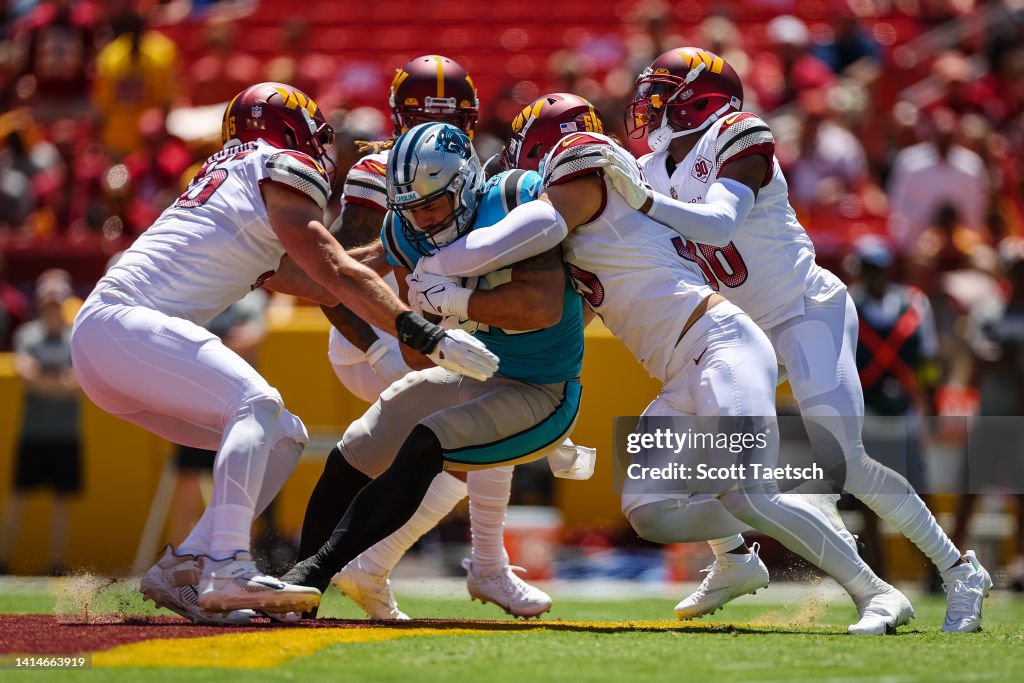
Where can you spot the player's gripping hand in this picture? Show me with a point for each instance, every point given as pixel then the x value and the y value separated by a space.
pixel 439 295
pixel 455 350
pixel 461 352
pixel 633 189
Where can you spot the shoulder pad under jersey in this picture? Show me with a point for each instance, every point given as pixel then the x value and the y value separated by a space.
pixel 741 135
pixel 576 154
pixel 366 182
pixel 302 173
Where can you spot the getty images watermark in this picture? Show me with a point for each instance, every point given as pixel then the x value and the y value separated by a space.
pixel 689 455
pixel 666 440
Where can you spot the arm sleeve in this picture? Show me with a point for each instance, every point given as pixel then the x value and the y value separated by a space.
pixel 527 230
pixel 715 221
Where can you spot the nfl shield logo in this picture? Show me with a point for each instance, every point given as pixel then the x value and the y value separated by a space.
pixel 257 111
pixel 702 169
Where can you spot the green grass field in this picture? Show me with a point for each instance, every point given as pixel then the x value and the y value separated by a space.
pixel 801 641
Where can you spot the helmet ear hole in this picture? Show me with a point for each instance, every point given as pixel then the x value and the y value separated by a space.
pixel 289 138
pixel 701 104
pixel 534 151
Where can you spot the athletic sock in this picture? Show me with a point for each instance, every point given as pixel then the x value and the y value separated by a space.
pixel 728 545
pixel 444 493
pixel 488 504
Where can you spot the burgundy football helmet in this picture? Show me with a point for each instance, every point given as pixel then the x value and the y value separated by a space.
pixel 433 88
pixel 682 92
pixel 280 115
pixel 542 123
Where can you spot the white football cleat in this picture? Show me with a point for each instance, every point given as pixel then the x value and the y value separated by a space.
pixel 371 591
pixel 966 585
pixel 506 590
pixel 882 612
pixel 172 582
pixel 732 575
pixel 236 584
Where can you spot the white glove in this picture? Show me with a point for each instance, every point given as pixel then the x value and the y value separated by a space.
pixel 461 352
pixel 637 193
pixel 438 294
pixel 386 361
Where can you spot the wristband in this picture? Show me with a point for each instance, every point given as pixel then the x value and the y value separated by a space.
pixel 417 333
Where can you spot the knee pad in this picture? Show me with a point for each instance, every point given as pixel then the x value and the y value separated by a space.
pixel 653 522
pixel 289 426
pixel 266 410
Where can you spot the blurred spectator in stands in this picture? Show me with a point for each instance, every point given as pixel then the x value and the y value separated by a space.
pixel 787 68
pixel 946 246
pixel 136 71
pixel 13 306
pixel 653 32
pixel 959 90
pixel 898 362
pixel 996 335
pixel 58 43
pixel 931 174
pixel 123 214
pixel 851 51
pixel 48 454
pixel 155 169
pixel 38 160
pixel 224 70
pixel 297 64
pixel 84 163
pixel 720 35
pixel 1003 85
pixel 16 200
pixel 827 171
pixel 10 57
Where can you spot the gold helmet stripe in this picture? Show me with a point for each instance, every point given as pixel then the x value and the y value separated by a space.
pixel 440 75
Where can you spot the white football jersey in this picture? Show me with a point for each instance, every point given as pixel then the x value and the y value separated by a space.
pixel 633 271
pixel 769 266
pixel 215 243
